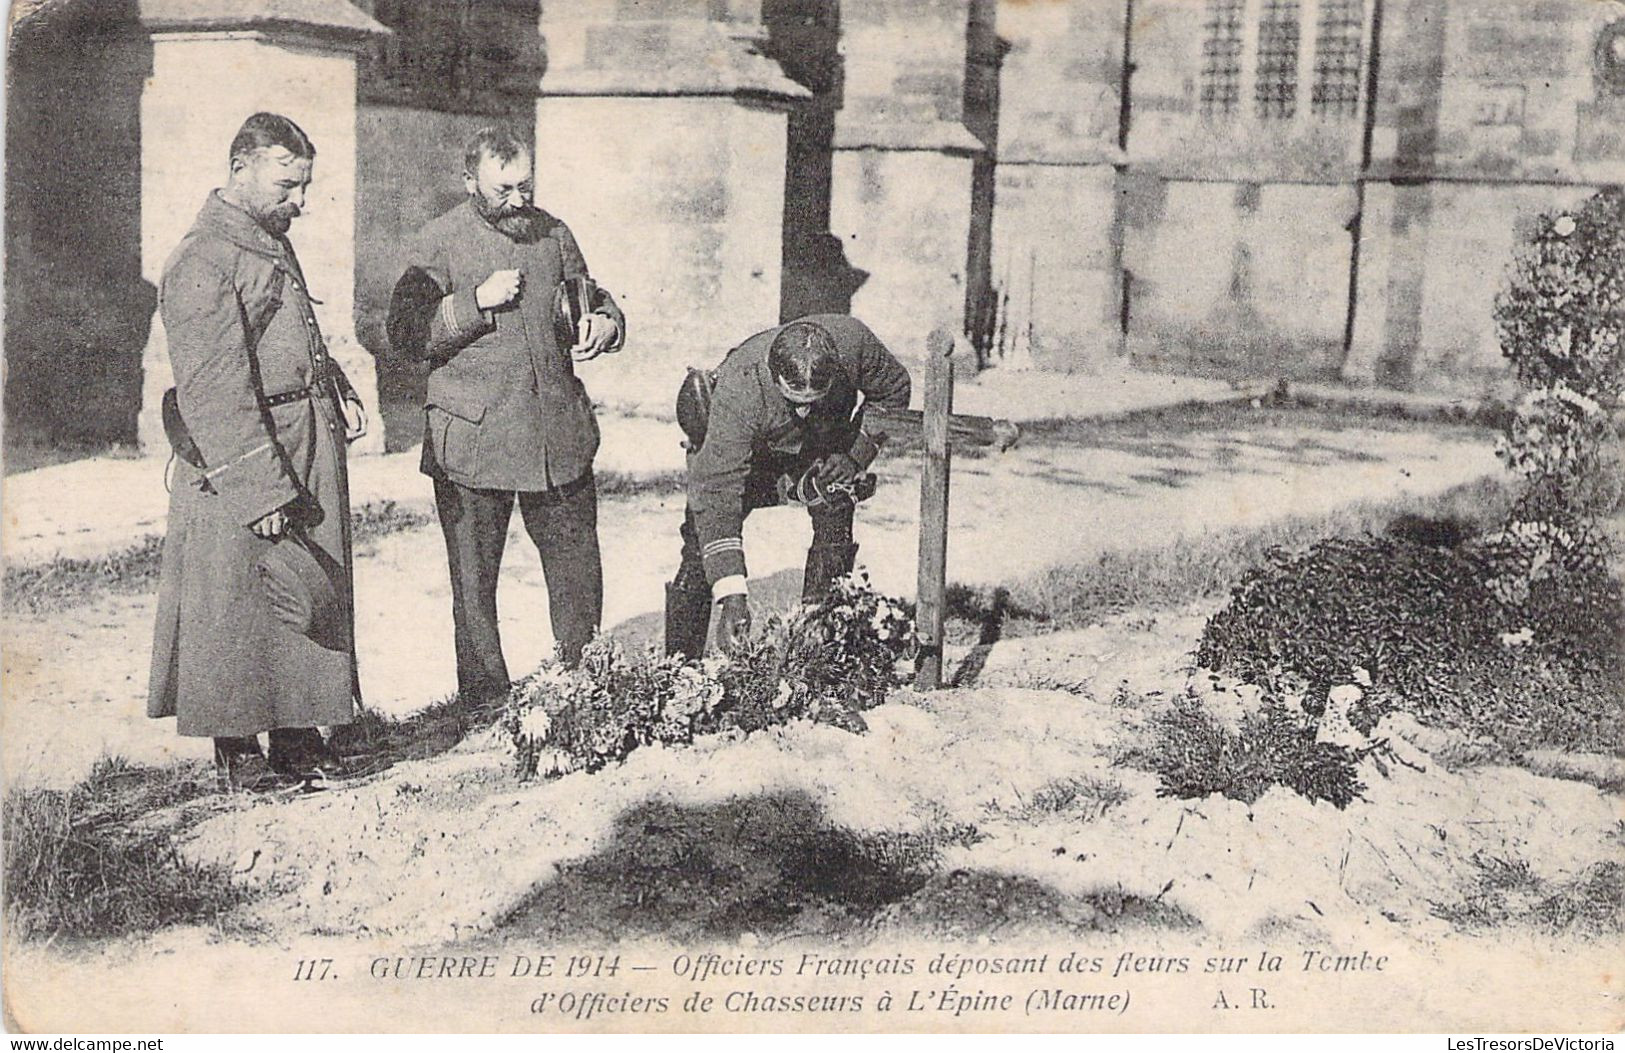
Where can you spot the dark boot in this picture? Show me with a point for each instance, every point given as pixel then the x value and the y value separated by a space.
pixel 239 765
pixel 688 619
pixel 230 747
pixel 296 752
pixel 825 563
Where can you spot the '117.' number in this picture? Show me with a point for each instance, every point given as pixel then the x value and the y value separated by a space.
pixel 313 969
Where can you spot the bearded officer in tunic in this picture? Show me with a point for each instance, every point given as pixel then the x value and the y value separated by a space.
pixel 263 417
pixel 506 419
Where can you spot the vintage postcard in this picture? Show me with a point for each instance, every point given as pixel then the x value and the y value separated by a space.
pixel 893 516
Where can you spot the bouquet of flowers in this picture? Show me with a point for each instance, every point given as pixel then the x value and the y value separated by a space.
pixel 824 662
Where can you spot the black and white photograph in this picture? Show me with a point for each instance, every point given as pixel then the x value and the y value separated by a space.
pixel 862 517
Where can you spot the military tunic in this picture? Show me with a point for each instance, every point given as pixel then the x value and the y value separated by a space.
pixel 751 424
pixel 240 328
pixel 505 410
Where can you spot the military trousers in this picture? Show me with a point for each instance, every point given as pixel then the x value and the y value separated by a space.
pixel 563 524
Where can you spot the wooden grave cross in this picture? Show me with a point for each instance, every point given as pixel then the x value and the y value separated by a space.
pixel 941 429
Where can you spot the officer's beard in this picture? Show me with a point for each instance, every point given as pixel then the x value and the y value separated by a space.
pixel 517 223
pixel 274 221
pixel 277 222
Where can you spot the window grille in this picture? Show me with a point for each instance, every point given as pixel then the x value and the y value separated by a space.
pixel 1221 58
pixel 1275 93
pixel 1336 91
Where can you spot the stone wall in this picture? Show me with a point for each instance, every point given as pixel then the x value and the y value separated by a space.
pixel 1435 257
pixel 1237 279
pixel 904 169
pixel 1240 193
pixel 661 139
pixel 78 307
pixel 1056 244
pixel 1168 182
pixel 1488 114
pixel 666 199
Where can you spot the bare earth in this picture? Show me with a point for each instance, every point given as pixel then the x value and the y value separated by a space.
pixel 452 856
pixel 76 681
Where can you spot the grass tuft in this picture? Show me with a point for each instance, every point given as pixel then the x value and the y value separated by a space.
pixel 1195 756
pixel 65 583
pixel 1081 797
pixel 91 861
pixel 377 520
pixel 1506 891
pixel 426 733
pixel 62 584
pixel 624 484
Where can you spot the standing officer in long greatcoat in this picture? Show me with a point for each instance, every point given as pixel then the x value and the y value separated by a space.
pixel 506 417
pixel 264 414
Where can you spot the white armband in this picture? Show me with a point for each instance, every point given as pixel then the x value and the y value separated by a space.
pixel 732 585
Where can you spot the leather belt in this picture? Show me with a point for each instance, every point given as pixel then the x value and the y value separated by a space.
pixel 308 391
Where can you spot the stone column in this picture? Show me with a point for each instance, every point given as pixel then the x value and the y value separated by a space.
pixel 210 71
pixel 1057 239
pixel 903 173
pixel 660 140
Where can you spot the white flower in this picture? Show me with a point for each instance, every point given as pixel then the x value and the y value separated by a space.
pixel 1362 677
pixel 1564 226
pixel 782 699
pixel 536 724
pixel 1344 696
pixel 1518 639
pixel 1335 726
pixel 552 678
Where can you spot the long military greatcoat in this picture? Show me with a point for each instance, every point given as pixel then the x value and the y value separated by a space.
pixel 240 328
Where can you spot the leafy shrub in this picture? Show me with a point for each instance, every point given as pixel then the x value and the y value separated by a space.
pixel 1427 630
pixel 826 662
pixel 1561 323
pixel 1195 756
pixel 1517 634
pixel 1399 610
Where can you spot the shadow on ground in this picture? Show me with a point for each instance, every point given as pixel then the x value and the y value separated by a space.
pixel 775 866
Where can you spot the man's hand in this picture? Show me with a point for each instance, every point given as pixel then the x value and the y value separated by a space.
pixel 838 469
pixel 271 526
pixel 355 419
pixel 733 628
pixel 598 334
pixel 499 290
